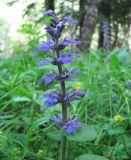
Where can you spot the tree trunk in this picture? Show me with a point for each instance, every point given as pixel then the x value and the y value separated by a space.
pixel 49 4
pixel 101 37
pixel 105 13
pixel 89 23
pixel 82 11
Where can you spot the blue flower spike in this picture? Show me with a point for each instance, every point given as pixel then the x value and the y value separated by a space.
pixel 60 59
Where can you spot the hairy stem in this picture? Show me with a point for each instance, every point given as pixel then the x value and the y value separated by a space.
pixel 63 149
pixel 64 115
pixel 63 91
pixel 64 109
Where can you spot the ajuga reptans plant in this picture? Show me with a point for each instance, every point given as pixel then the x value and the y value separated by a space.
pixel 60 59
pixel 106 34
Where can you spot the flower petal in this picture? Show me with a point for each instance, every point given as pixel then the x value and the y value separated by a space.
pixel 70 41
pixel 45 46
pixel 72 125
pixel 67 19
pixel 48 78
pixel 44 61
pixel 67 58
pixel 56 119
pixel 52 99
pixel 51 13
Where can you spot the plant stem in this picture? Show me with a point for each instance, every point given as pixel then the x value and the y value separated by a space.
pixel 62 84
pixel 63 149
pixel 64 115
pixel 64 108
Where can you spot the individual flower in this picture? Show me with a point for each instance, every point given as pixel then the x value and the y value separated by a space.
pixel 79 93
pixel 60 28
pixel 74 95
pixel 45 61
pixel 70 41
pixel 67 19
pixel 48 78
pixel 68 75
pixel 52 99
pixel 78 86
pixel 67 42
pixel 71 125
pixel 56 119
pixel 45 46
pixel 118 118
pixel 52 32
pixel 51 13
pixel 67 58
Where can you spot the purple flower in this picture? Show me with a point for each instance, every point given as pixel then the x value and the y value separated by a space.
pixel 62 21
pixel 72 125
pixel 50 44
pixel 65 59
pixel 45 46
pixel 67 75
pixel 56 119
pixel 69 125
pixel 70 41
pixel 44 61
pixel 51 13
pixel 52 99
pixel 74 95
pixel 67 19
pixel 52 31
pixel 69 97
pixel 67 42
pixel 73 71
pixel 79 93
pixel 60 28
pixel 58 25
pixel 53 61
pixel 48 78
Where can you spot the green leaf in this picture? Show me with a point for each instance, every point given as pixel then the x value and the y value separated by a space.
pixel 57 136
pixel 91 157
pixel 21 99
pixel 116 131
pixel 86 133
pixel 113 130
